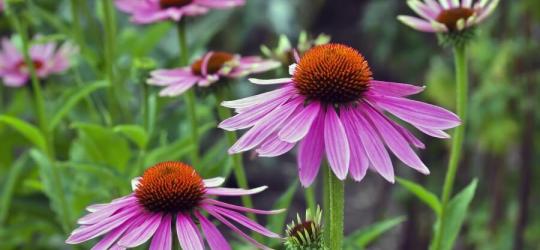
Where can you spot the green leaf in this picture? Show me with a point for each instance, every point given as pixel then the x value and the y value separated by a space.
pixel 135 133
pixel 27 130
pixel 363 237
pixel 276 222
pixel 72 100
pixel 457 210
pixel 100 145
pixel 424 195
pixel 11 181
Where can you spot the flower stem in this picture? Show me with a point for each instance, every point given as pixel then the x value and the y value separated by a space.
pixel 110 33
pixel 309 194
pixel 189 95
pixel 460 61
pixel 39 105
pixel 238 166
pixel 333 209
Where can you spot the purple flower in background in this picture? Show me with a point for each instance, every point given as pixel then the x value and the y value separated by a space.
pixel 207 70
pixel 149 11
pixel 47 58
pixel 169 192
pixel 448 15
pixel 331 106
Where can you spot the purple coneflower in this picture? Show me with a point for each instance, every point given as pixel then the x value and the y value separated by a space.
pixel 332 105
pixel 207 70
pixel 47 59
pixel 149 11
pixel 169 192
pixel 448 15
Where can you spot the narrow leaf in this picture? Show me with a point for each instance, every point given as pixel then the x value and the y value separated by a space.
pixel 135 133
pixel 7 189
pixel 26 129
pixel 364 237
pixel 423 194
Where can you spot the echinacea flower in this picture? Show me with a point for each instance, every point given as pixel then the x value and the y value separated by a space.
pixel 448 15
pixel 212 67
pixel 47 59
pixel 307 233
pixel 150 11
pixel 167 193
pixel 331 106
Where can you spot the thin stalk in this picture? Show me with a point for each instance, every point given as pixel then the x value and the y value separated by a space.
pixel 39 106
pixel 333 209
pixel 238 165
pixel 460 61
pixel 109 48
pixel 189 96
pixel 76 22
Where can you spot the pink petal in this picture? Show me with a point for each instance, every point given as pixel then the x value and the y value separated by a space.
pixel 311 151
pixel 106 211
pixel 298 126
pixel 141 233
pixel 234 191
pixel 416 23
pixel 214 182
pixel 257 99
pixel 244 221
pixel 188 233
pixel 241 209
pixel 395 141
pixel 394 88
pixel 271 81
pixel 434 132
pixel 359 159
pixel 162 240
pixel 112 236
pixel 215 239
pixel 273 146
pixel 336 144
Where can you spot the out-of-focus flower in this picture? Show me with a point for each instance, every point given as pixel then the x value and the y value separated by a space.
pixel 284 52
pixel 448 15
pixel 212 67
pixel 47 58
pixel 169 192
pixel 1 5
pixel 150 11
pixel 333 107
pixel 306 234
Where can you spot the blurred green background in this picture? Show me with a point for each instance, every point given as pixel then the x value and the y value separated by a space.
pixel 97 160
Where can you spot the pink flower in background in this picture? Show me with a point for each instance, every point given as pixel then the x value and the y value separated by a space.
pixel 448 15
pixel 212 67
pixel 149 11
pixel 169 192
pixel 1 5
pixel 47 58
pixel 332 107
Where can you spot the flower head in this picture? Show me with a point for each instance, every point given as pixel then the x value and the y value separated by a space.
pixel 167 192
pixel 331 106
pixel 306 234
pixel 212 67
pixel 448 15
pixel 150 11
pixel 47 60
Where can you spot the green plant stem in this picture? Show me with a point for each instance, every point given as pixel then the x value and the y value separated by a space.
pixel 76 22
pixel 189 96
pixel 460 61
pixel 238 166
pixel 333 209
pixel 39 106
pixel 110 54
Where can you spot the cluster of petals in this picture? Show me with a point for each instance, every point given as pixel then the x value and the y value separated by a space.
pixel 353 137
pixel 150 11
pixel 435 15
pixel 48 58
pixel 177 81
pixel 124 222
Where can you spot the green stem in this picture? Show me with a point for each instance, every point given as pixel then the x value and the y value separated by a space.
pixel 109 41
pixel 39 106
pixel 457 143
pixel 189 96
pixel 311 202
pixel 333 209
pixel 238 165
pixel 76 22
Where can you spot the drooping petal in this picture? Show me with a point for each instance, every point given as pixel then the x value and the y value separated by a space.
pixel 394 140
pixel 112 236
pixel 162 240
pixel 188 233
pixel 246 222
pixel 310 152
pixel 434 132
pixel 374 147
pixel 214 182
pixel 298 126
pixel 273 146
pixel 234 191
pixel 105 211
pixel 416 23
pixel 141 233
pixel 271 81
pixel 215 239
pixel 394 88
pixel 239 208
pixel 257 99
pixel 336 144
pixel 359 159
